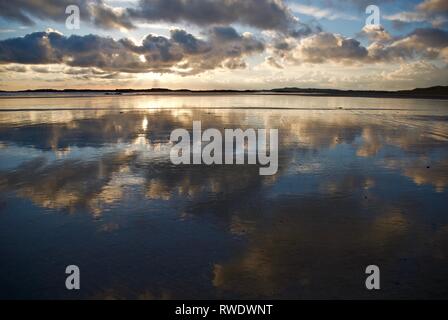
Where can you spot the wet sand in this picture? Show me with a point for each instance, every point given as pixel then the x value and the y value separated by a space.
pixel 88 181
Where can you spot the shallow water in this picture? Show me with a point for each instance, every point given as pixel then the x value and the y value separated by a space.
pixel 88 181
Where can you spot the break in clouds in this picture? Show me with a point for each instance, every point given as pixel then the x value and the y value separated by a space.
pixel 278 36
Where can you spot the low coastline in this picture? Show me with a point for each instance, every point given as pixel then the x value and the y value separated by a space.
pixel 438 92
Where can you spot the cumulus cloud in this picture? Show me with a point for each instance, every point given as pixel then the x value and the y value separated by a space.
pixel 327 46
pixel 97 12
pixel 375 33
pixel 221 47
pixel 324 47
pixel 181 53
pixel 320 48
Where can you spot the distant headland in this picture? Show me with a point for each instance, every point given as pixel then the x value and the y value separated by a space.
pixel 436 92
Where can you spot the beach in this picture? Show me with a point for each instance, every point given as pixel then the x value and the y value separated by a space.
pixel 88 181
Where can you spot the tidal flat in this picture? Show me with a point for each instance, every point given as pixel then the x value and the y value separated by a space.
pixel 88 181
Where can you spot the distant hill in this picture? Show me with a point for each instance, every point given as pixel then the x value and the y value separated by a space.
pixel 437 92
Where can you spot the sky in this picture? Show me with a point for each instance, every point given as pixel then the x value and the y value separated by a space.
pixel 225 44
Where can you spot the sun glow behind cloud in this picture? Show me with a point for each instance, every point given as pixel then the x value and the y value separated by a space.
pixel 224 44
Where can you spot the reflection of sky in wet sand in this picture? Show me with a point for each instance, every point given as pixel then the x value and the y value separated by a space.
pixel 365 184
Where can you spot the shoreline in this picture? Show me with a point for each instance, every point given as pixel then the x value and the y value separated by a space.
pixel 98 94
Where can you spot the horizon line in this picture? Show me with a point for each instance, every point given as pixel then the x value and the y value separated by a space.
pixel 281 89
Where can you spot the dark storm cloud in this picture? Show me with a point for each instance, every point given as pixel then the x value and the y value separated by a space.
pixel 34 48
pixel 95 11
pixel 262 14
pixel 182 52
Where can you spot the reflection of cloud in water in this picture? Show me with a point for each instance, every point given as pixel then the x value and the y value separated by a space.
pixel 347 184
pixel 295 249
pixel 372 143
pixel 69 184
pixel 141 155
pixel 422 171
pixel 338 203
pixel 435 175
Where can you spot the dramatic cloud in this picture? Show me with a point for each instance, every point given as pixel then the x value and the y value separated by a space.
pixel 319 48
pixel 426 43
pixel 262 14
pixel 432 11
pixel 326 47
pixel 267 15
pixel 223 47
pixel 97 12
pixel 281 44
pixel 181 53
